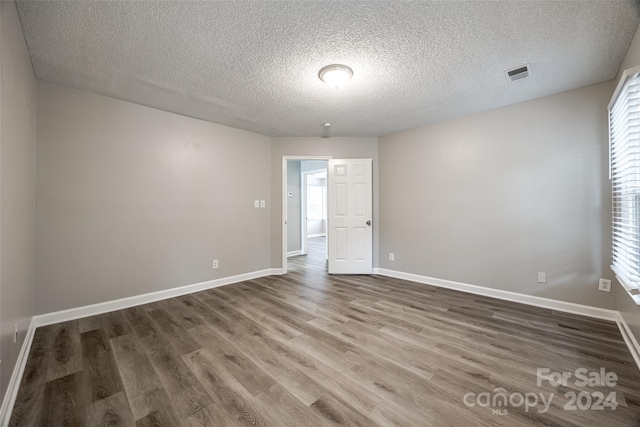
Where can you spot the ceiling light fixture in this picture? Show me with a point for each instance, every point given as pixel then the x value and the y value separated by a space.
pixel 335 75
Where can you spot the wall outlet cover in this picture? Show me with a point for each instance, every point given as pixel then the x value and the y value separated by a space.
pixel 604 285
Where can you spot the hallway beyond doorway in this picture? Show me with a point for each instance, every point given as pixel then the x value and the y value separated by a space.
pixel 316 259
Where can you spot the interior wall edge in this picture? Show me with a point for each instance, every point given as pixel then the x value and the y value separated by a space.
pixel 17 202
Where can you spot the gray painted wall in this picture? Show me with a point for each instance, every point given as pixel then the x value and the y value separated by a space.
pixel 17 187
pixel 316 227
pixel 493 198
pixel 335 147
pixel 625 305
pixel 294 207
pixel 134 200
pixel 312 165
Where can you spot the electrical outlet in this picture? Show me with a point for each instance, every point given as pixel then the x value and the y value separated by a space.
pixel 392 257
pixel 15 333
pixel 256 203
pixel 215 263
pixel 542 277
pixel 604 285
pixel 262 203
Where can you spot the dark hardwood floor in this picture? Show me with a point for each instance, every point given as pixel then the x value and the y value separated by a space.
pixel 308 349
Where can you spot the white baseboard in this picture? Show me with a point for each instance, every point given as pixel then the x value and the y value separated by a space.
pixel 629 339
pixel 568 307
pixel 16 377
pixel 105 307
pixel 311 236
pixel 294 253
pixel 119 304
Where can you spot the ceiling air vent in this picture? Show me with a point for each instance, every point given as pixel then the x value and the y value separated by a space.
pixel 517 73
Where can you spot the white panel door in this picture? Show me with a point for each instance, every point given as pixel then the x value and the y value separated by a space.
pixel 350 216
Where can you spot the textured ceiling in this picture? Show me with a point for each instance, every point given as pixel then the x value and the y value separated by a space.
pixel 253 64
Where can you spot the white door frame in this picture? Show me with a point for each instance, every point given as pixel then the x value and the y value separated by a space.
pixel 283 221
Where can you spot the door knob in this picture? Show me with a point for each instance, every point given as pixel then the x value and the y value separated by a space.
pixel 369 222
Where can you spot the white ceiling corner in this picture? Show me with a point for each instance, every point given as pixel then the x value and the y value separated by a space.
pixel 253 64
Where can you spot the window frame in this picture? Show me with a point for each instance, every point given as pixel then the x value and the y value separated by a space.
pixel 625 197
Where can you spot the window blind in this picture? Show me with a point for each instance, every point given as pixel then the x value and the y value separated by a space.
pixel 624 151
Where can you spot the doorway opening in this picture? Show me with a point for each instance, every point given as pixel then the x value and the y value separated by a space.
pixel 349 201
pixel 306 213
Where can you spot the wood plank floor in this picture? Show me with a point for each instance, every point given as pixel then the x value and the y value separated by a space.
pixel 308 349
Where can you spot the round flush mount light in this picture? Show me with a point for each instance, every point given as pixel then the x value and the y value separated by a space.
pixel 335 75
